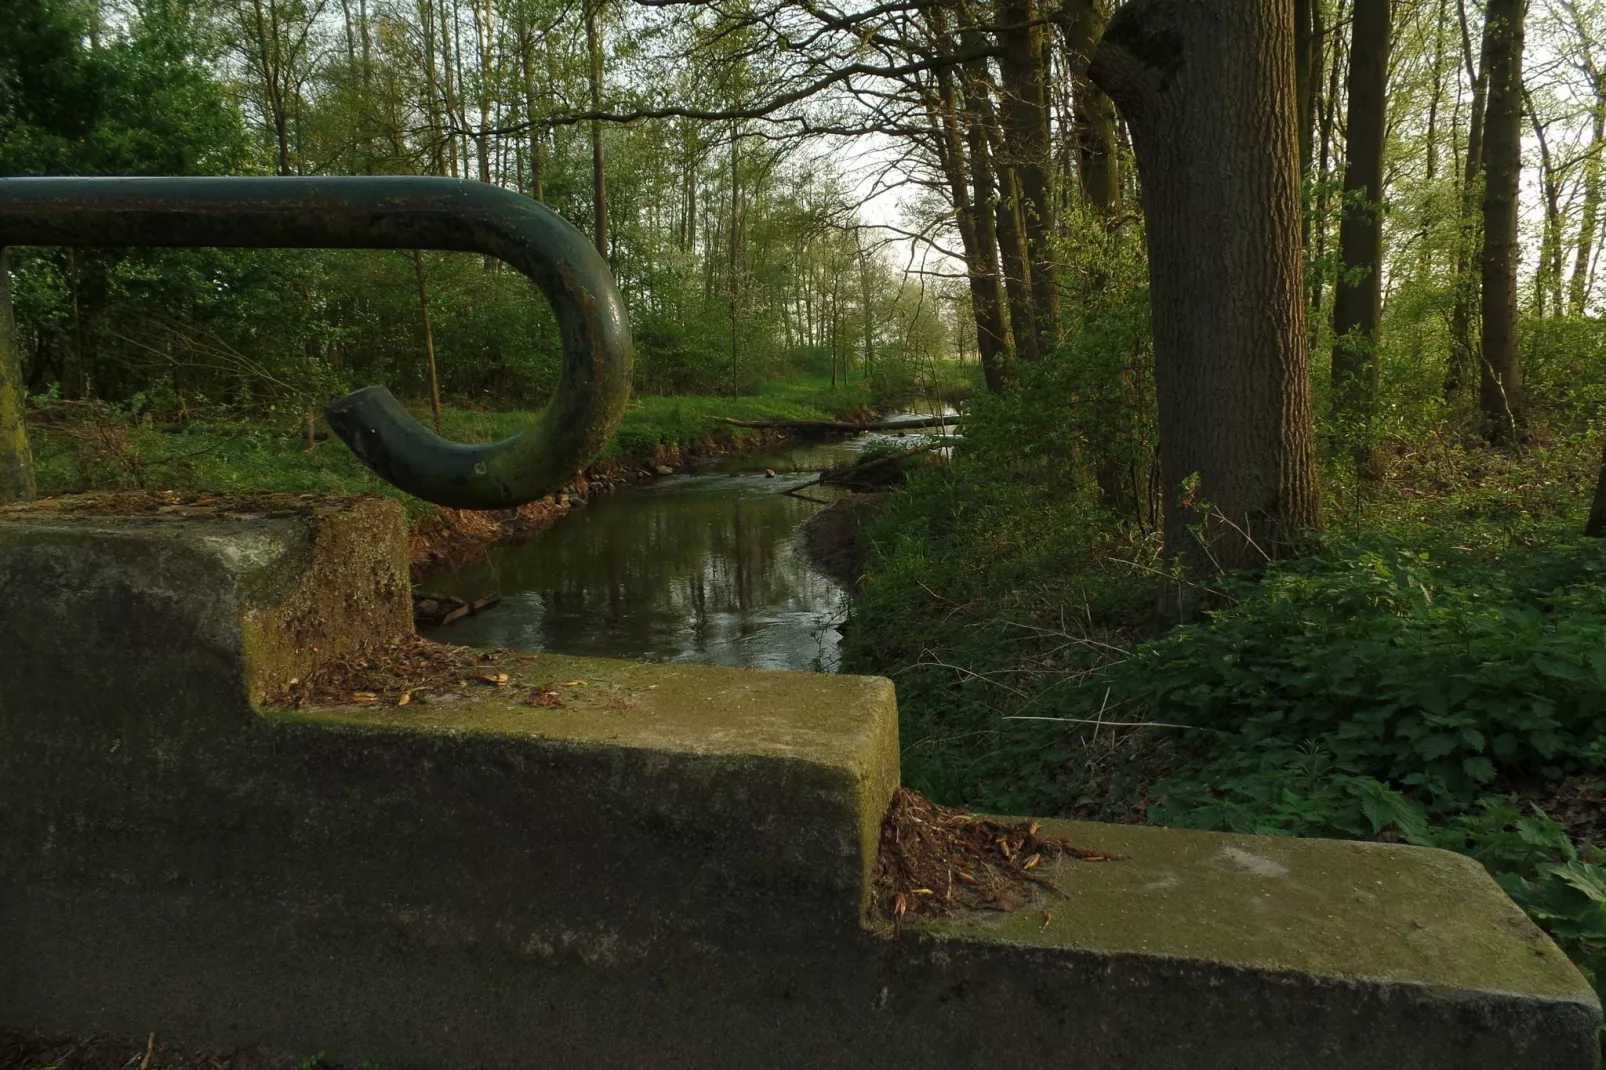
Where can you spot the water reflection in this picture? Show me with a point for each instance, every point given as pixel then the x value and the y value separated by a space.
pixel 703 568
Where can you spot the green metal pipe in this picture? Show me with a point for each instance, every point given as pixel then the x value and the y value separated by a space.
pixel 385 213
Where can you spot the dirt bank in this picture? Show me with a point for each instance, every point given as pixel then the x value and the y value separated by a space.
pixel 831 537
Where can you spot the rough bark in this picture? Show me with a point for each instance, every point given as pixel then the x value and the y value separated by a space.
pixel 1578 285
pixel 999 192
pixel 1595 527
pixel 1500 394
pixel 1026 133
pixel 1317 222
pixel 1307 75
pixel 16 462
pixel 1470 240
pixel 976 230
pixel 1358 300
pixel 1082 24
pixel 1547 276
pixel 1207 90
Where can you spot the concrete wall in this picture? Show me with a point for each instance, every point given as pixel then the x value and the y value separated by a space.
pixel 669 871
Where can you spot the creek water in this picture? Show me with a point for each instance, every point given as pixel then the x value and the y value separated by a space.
pixel 704 568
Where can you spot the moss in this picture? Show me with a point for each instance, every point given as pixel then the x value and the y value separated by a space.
pixel 1330 908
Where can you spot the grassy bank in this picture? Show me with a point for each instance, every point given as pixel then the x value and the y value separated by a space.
pixel 79 447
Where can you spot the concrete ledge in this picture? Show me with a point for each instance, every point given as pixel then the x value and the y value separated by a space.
pixel 670 871
pixel 1324 952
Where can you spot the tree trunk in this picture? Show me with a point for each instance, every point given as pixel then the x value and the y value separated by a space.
pixel 976 228
pixel 997 236
pixel 599 182
pixel 1318 214
pixel 1307 73
pixel 1595 527
pixel 1500 396
pixel 1358 301
pixel 429 340
pixel 437 129
pixel 1082 23
pixel 1207 90
pixel 1470 240
pixel 1547 275
pixel 1026 133
pixel 527 71
pixel 1015 266
pixel 16 462
pixel 1578 285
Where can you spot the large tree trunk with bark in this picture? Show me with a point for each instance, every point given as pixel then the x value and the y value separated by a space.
pixel 1208 93
pixel 1307 76
pixel 1026 135
pixel 994 188
pixel 1595 526
pixel 1082 23
pixel 1500 396
pixel 970 182
pixel 1358 301
pixel 16 462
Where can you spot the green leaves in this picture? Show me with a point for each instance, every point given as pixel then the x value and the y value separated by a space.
pixel 1394 663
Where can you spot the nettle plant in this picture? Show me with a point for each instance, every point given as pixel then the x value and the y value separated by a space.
pixel 1430 674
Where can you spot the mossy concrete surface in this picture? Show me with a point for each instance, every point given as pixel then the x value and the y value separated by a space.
pixel 1411 949
pixel 671 870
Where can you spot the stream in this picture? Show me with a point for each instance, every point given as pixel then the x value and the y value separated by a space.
pixel 705 567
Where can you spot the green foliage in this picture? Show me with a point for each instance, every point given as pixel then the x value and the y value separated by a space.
pixel 81 446
pixel 141 104
pixel 1433 673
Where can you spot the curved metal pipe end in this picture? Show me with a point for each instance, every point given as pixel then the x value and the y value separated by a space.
pixel 386 213
pixel 408 455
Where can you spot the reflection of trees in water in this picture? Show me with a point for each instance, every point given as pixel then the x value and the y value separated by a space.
pixel 646 572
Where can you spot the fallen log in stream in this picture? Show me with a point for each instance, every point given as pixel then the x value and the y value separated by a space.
pixel 869 473
pixel 836 426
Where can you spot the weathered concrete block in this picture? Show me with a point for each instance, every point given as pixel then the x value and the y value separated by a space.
pixel 672 870
pixel 171 607
pixel 1209 950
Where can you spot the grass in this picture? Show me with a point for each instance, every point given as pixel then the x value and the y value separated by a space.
pixel 100 448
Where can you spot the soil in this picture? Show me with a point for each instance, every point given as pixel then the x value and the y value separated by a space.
pixel 1577 802
pixel 831 537
pixel 935 860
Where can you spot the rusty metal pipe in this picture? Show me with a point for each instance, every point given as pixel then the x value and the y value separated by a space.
pixel 385 213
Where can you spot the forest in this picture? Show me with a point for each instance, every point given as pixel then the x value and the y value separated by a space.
pixel 1281 323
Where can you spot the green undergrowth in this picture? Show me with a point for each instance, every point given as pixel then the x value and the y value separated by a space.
pixel 1434 673
pixel 100 447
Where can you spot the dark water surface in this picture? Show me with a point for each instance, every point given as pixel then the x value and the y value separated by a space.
pixel 702 568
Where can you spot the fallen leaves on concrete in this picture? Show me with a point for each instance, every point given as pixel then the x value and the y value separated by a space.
pixel 415 670
pixel 935 860
pixel 382 670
